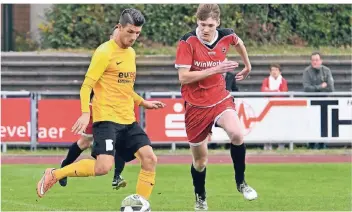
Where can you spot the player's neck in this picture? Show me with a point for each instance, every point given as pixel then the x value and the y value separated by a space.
pixel 212 41
pixel 119 43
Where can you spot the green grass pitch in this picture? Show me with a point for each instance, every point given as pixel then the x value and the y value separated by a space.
pixel 281 187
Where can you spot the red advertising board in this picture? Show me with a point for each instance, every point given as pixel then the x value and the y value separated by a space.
pixel 167 124
pixel 15 120
pixel 55 120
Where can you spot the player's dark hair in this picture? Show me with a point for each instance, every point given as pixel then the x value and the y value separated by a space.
pixel 131 16
pixel 206 11
pixel 275 66
pixel 315 53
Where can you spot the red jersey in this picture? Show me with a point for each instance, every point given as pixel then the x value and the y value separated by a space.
pixel 197 55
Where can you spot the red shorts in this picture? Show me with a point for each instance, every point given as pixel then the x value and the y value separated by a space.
pixel 199 121
pixel 89 130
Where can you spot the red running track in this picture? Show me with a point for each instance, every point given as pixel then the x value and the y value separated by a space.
pixel 186 159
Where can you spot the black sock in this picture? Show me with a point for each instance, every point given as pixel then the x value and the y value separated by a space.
pixel 119 165
pixel 238 155
pixel 198 180
pixel 73 153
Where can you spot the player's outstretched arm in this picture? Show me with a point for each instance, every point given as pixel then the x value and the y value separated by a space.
pixel 186 76
pixel 152 104
pixel 138 100
pixel 242 51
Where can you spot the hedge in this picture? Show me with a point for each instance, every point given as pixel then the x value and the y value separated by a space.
pixel 88 25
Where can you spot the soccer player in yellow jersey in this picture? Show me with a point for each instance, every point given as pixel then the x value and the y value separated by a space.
pixel 111 75
pixel 85 141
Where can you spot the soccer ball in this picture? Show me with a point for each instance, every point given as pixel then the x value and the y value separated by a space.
pixel 135 202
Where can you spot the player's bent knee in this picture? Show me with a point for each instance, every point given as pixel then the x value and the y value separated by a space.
pixel 103 164
pixel 149 162
pixel 236 138
pixel 200 164
pixel 84 142
pixel 147 157
pixel 102 170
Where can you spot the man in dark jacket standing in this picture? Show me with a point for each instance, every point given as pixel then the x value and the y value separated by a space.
pixel 317 78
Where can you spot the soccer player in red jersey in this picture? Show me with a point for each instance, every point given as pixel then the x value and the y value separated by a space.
pixel 201 62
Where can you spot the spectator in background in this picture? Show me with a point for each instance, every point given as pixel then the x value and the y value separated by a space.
pixel 274 83
pixel 317 78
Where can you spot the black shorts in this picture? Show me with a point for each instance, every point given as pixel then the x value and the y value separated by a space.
pixel 124 139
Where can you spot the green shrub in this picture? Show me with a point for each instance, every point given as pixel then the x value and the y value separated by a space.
pixel 86 26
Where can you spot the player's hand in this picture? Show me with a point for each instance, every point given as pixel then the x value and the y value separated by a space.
pixel 226 66
pixel 152 104
pixel 81 124
pixel 324 85
pixel 243 74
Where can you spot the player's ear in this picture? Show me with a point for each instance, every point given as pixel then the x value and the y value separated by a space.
pixel 218 23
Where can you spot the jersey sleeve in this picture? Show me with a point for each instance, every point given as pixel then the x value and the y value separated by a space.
pixel 98 64
pixel 85 94
pixel 183 55
pixel 234 39
pixel 137 98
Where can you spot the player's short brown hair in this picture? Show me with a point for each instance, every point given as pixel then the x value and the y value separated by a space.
pixel 275 66
pixel 206 11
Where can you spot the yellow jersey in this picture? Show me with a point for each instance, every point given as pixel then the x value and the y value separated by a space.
pixel 111 75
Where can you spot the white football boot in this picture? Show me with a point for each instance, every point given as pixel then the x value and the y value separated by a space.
pixel 248 192
pixel 201 203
